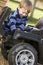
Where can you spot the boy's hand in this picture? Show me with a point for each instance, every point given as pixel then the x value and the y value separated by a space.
pixel 18 29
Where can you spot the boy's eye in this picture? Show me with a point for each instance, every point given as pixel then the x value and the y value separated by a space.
pixel 28 11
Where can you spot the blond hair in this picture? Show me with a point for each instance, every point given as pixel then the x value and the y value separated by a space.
pixel 25 3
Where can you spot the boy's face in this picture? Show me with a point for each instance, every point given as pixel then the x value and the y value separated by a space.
pixel 23 11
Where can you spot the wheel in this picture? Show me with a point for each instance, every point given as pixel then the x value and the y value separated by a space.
pixel 22 54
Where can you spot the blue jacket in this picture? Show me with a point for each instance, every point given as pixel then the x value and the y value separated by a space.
pixel 15 21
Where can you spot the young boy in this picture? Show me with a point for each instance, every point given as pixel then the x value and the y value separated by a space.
pixel 17 19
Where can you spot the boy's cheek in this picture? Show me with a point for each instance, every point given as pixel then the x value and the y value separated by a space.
pixel 20 12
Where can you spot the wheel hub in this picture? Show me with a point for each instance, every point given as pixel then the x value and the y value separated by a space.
pixel 24 58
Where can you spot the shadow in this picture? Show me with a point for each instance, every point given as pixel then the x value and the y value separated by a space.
pixel 15 1
pixel 39 9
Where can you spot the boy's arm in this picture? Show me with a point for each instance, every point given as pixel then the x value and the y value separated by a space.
pixel 22 26
pixel 12 22
pixel 12 25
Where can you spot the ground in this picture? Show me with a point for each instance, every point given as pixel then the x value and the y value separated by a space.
pixel 2 60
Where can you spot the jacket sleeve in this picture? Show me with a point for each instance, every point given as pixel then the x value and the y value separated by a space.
pixel 12 22
pixel 23 24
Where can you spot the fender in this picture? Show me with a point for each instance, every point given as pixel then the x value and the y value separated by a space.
pixel 26 35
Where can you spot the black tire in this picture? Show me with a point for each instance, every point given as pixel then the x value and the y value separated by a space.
pixel 20 49
pixel 5 49
pixel 4 52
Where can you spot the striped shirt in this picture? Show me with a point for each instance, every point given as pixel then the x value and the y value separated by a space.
pixel 15 21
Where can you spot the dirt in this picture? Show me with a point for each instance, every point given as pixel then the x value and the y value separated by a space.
pixel 2 60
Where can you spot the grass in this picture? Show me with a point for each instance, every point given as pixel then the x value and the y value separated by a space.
pixel 37 13
pixel 13 5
